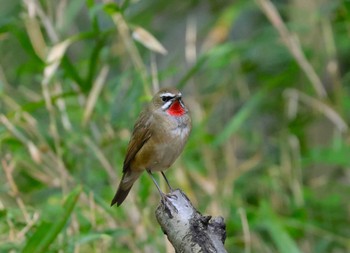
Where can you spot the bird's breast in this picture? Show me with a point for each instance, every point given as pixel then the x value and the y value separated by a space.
pixel 164 146
pixel 169 148
pixel 179 133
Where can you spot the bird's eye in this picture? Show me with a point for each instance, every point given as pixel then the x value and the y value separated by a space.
pixel 166 98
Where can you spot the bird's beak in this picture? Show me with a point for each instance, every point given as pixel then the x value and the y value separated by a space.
pixel 177 97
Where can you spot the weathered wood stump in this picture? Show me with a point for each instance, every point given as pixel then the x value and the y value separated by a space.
pixel 188 230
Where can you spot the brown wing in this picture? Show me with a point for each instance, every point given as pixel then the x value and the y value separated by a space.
pixel 140 136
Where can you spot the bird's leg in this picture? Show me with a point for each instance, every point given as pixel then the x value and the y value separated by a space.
pixel 155 182
pixel 166 180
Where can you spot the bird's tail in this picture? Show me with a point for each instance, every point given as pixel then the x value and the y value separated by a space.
pixel 125 185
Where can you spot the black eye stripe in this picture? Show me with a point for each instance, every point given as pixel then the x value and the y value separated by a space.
pixel 167 98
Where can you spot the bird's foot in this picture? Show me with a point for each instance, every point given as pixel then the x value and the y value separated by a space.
pixel 168 205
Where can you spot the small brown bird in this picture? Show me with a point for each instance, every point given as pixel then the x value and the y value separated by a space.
pixel 159 136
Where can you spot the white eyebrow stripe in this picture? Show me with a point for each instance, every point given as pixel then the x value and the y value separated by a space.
pixel 167 95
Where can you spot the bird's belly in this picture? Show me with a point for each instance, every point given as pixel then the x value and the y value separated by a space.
pixel 165 156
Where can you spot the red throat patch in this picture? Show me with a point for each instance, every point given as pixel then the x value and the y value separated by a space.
pixel 176 109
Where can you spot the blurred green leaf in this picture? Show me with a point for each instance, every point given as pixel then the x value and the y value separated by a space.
pixel 336 154
pixel 72 12
pixel 111 8
pixel 239 118
pixel 280 237
pixel 92 237
pixel 47 232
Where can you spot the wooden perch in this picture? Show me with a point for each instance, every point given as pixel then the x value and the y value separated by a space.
pixel 187 230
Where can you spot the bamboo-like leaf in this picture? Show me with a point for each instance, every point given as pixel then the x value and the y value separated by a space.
pixel 281 238
pixel 238 119
pixel 47 232
pixel 148 40
pixel 54 58
pixel 283 241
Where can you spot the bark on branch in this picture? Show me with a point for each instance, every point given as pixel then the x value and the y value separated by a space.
pixel 187 230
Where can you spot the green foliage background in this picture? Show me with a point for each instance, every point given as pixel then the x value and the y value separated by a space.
pixel 270 103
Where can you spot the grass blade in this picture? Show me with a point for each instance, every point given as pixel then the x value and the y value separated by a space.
pixel 48 231
pixel 280 237
pixel 238 119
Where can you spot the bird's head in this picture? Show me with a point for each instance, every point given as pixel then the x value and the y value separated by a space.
pixel 170 101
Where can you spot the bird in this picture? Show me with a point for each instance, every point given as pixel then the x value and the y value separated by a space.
pixel 158 138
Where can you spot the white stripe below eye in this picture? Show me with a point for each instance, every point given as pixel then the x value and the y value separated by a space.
pixel 167 95
pixel 166 105
pixel 182 104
